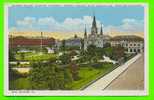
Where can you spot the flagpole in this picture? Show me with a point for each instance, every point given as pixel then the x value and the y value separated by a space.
pixel 41 41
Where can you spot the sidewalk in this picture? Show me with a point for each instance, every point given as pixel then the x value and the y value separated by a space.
pixel 131 79
pixel 103 82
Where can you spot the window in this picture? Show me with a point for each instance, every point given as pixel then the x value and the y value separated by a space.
pixel 134 50
pixel 130 50
pixel 138 44
pixel 134 44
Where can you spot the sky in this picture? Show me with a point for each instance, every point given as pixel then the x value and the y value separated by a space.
pixel 72 20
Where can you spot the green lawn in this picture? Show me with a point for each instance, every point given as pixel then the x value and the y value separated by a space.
pixel 35 56
pixel 20 83
pixel 88 74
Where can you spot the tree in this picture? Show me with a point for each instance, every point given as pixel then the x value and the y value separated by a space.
pixel 22 56
pixel 82 44
pixel 13 74
pixel 67 76
pixel 91 50
pixel 11 55
pixel 118 52
pixel 63 47
pixel 65 58
pixel 94 53
pixel 74 69
pixel 106 45
pixel 46 76
pixel 56 79
pixel 108 51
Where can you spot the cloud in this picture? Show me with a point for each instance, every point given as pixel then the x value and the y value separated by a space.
pixel 132 25
pixel 52 25
pixel 127 26
pixel 74 25
pixel 27 22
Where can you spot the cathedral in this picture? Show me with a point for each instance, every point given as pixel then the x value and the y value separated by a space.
pixel 94 38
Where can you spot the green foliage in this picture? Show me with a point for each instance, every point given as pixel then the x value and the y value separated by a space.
pixel 106 45
pixel 108 51
pixel 65 58
pixel 63 46
pixel 46 76
pixel 72 53
pixel 118 52
pixel 11 55
pixel 94 53
pixel 74 71
pixel 22 56
pixel 67 76
pixel 13 74
pixel 91 50
pixel 87 73
pixel 69 48
pixel 36 56
pixel 18 80
pixel 20 83
pixel 82 44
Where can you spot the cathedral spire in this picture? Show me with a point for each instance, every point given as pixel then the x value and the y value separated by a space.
pixel 101 31
pixel 94 26
pixel 94 22
pixel 85 32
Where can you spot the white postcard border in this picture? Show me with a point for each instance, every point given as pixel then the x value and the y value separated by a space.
pixel 144 92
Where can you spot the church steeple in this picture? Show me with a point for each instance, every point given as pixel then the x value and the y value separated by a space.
pixel 94 22
pixel 94 26
pixel 85 32
pixel 101 31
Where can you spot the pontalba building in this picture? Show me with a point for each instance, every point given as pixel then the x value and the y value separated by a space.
pixel 94 38
pixel 132 43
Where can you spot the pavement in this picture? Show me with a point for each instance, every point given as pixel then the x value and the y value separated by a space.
pixel 131 79
pixel 126 77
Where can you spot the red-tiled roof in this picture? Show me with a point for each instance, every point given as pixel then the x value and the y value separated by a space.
pixel 22 41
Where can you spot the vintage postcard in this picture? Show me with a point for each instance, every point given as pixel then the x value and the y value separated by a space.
pixel 76 49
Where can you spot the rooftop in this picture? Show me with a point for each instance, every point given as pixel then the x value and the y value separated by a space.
pixel 127 38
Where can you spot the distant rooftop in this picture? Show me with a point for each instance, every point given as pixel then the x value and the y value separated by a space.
pixel 127 38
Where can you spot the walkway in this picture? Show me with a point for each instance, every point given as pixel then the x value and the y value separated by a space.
pixel 103 82
pixel 131 79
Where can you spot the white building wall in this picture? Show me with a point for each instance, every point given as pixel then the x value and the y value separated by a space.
pixel 130 46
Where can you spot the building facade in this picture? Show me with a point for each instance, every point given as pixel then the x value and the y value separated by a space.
pixel 94 38
pixel 24 42
pixel 132 44
pixel 76 41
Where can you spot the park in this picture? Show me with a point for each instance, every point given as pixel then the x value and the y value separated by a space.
pixel 69 68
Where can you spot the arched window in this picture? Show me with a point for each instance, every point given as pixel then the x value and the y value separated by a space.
pixel 134 50
pixel 139 50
